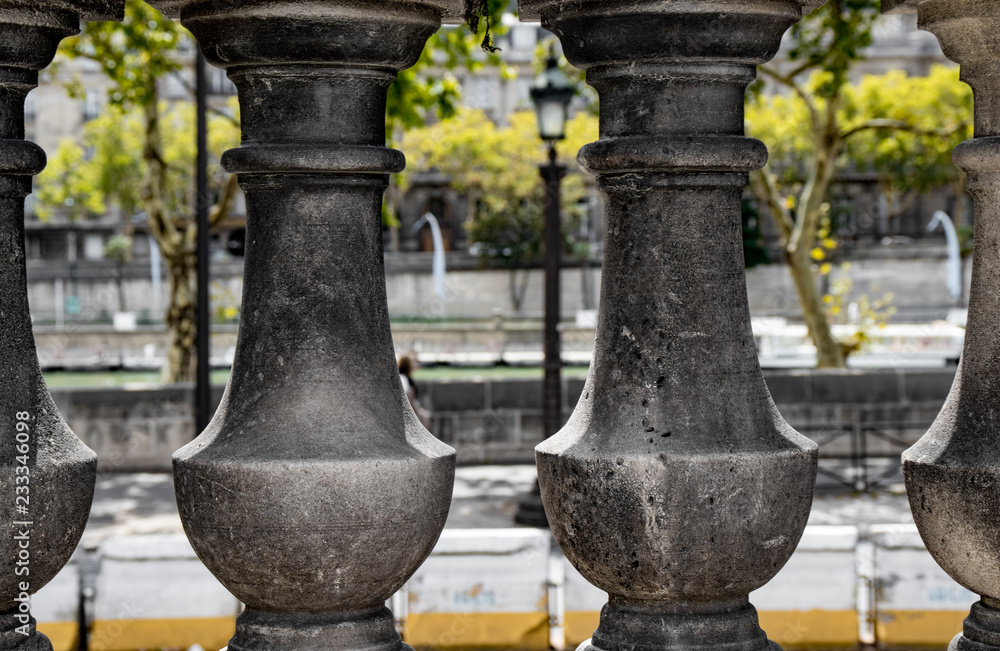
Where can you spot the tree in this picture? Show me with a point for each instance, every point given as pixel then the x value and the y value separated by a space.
pixel 429 91
pixel 823 122
pixel 497 169
pixel 136 54
pixel 913 160
pixel 109 157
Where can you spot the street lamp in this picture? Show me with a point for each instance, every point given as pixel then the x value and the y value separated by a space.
pixel 551 93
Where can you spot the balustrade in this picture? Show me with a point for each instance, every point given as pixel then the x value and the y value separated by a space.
pixel 315 492
pixel 953 473
pixel 676 486
pixel 47 474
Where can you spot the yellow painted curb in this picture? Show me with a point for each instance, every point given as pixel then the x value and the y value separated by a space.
pixel 520 631
pixel 580 625
pixel 132 634
pixel 524 631
pixel 62 634
pixel 918 627
pixel 798 628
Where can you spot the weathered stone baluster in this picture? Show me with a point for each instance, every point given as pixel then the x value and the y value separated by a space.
pixel 46 474
pixel 314 493
pixel 953 472
pixel 676 486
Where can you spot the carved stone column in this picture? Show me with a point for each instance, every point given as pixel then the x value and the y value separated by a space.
pixel 953 472
pixel 676 486
pixel 46 473
pixel 314 493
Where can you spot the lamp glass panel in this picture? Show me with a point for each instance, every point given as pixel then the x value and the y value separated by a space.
pixel 551 120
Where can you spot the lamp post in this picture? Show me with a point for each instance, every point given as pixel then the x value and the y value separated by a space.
pixel 551 94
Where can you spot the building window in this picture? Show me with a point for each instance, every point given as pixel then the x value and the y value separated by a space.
pixel 523 100
pixel 92 101
pixel 93 246
pixel 178 86
pixel 481 93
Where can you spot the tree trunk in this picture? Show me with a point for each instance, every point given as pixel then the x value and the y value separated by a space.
pixel 829 353
pixel 180 318
pixel 178 249
pixel 119 281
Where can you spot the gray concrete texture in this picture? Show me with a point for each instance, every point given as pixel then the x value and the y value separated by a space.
pixel 483 497
pixel 953 473
pixel 46 474
pixel 675 486
pixel 326 493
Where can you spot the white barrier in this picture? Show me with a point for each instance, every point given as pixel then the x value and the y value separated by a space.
pixel 812 600
pixel 916 602
pixel 509 588
pixel 481 588
pixel 823 615
pixel 152 591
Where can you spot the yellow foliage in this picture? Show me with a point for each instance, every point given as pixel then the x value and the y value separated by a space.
pixel 866 314
pixel 497 168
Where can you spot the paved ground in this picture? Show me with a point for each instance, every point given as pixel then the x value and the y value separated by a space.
pixel 484 497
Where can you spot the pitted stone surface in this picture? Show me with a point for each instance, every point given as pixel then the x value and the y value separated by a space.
pixel 46 474
pixel 314 493
pixel 676 486
pixel 953 473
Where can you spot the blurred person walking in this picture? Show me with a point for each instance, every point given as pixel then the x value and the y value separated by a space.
pixel 407 365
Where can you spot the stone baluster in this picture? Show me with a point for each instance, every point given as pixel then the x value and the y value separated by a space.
pixel 953 473
pixel 315 492
pixel 676 486
pixel 46 473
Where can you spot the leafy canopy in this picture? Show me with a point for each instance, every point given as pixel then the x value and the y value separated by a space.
pixel 498 169
pixel 85 177
pixel 898 127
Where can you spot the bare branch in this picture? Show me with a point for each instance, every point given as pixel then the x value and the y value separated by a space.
pixel 901 125
pixel 789 81
pixel 764 187
pixel 190 89
pixel 220 211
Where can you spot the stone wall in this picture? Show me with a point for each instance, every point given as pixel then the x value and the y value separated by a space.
pixel 917 285
pixel 500 421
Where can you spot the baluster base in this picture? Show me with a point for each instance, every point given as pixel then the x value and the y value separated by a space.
pixel 727 626
pixel 981 631
pixel 371 630
pixel 11 639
